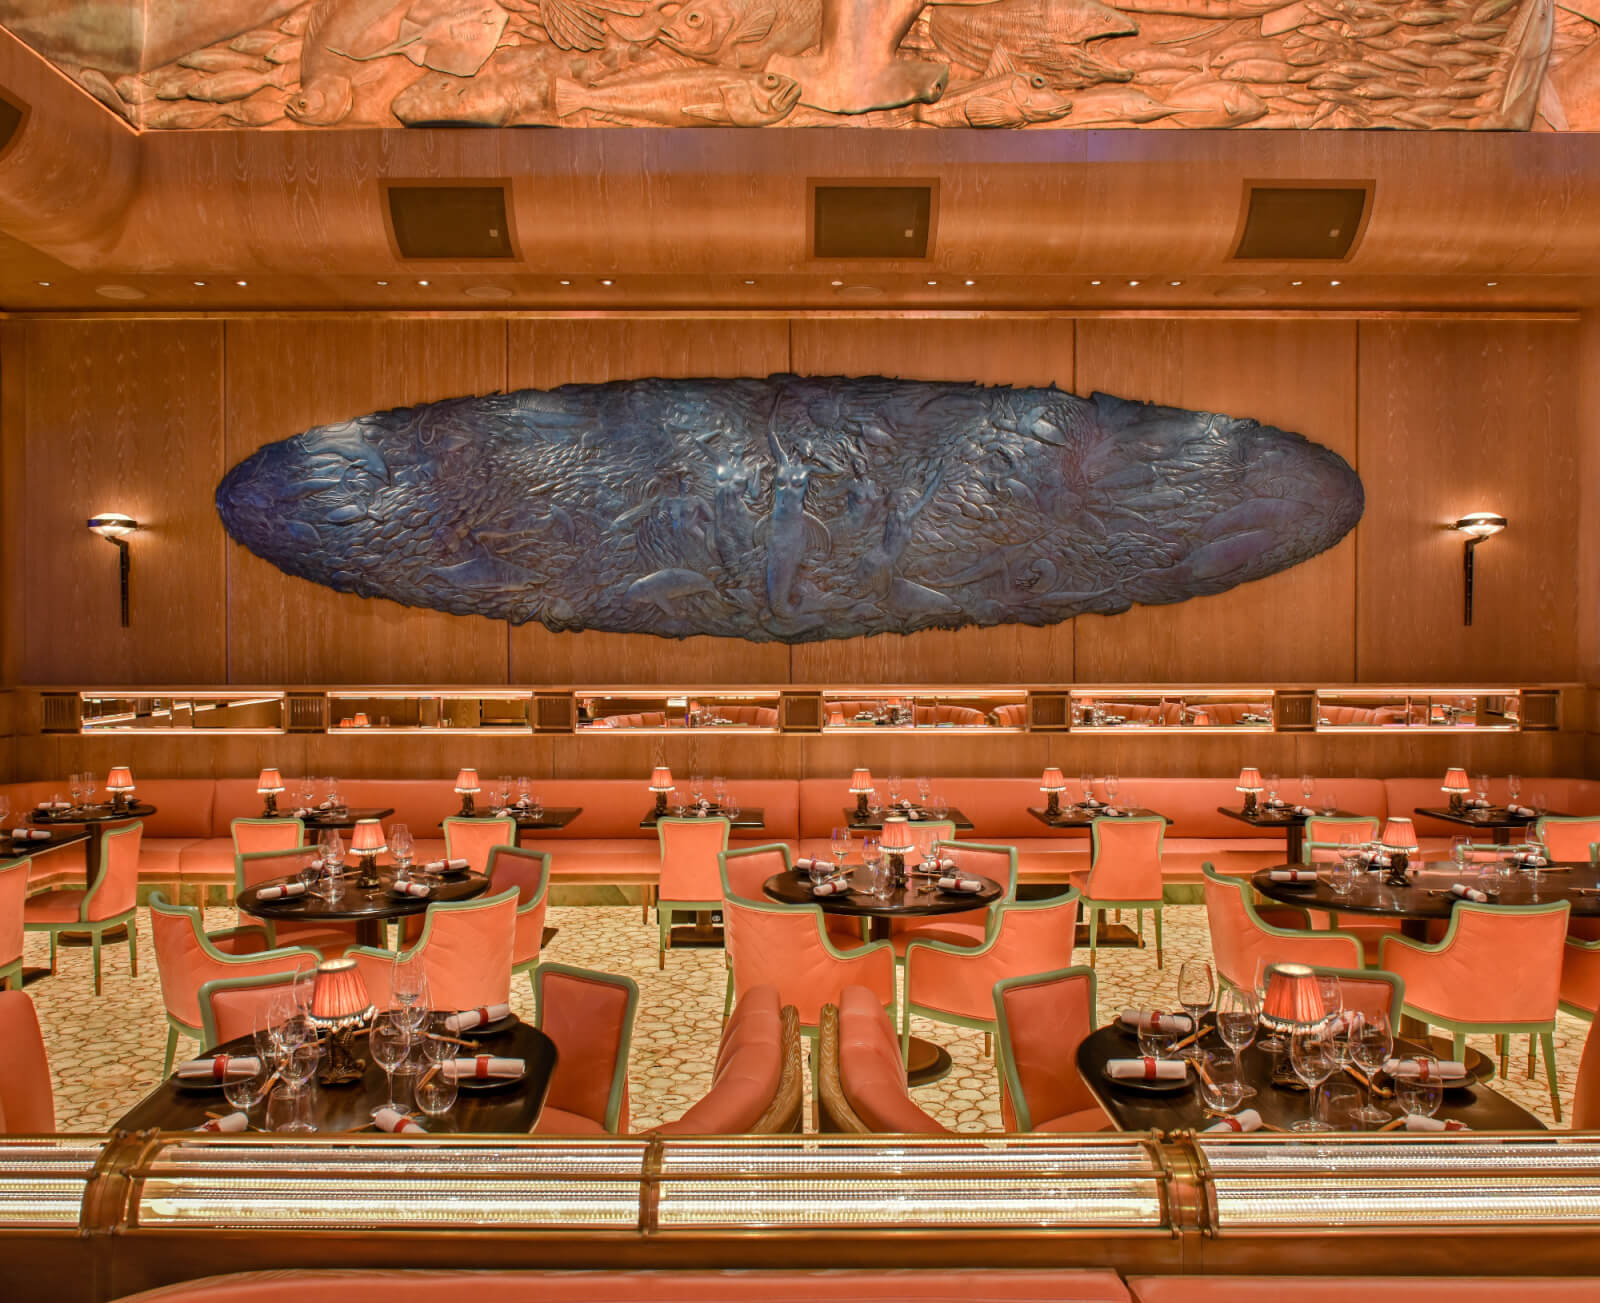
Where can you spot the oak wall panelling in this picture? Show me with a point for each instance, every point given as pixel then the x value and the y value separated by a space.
pixel 123 415
pixel 1035 351
pixel 1298 375
pixel 285 376
pixel 1459 417
pixel 1588 571
pixel 544 354
pixel 13 370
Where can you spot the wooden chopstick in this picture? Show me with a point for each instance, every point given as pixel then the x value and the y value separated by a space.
pixel 449 1040
pixel 1368 1082
pixel 1397 1122
pixel 1200 1030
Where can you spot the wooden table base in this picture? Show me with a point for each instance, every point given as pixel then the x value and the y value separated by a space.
pixel 926 1062
pixel 1111 934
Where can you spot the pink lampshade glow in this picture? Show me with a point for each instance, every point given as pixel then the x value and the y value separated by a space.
pixel 120 779
pixel 896 835
pixel 362 722
pixel 1052 781
pixel 1293 998
pixel 1249 780
pixel 467 781
pixel 860 781
pixel 1455 780
pixel 269 782
pixel 367 837
pixel 1399 835
pixel 339 995
pixel 661 779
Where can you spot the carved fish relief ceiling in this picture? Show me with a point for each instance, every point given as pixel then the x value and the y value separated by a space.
pixel 791 509
pixel 1418 64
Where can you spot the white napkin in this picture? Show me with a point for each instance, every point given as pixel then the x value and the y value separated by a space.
pixel 219 1067
pixel 943 866
pixel 1411 1070
pixel 1147 1069
pixel 1276 803
pixel 1422 1122
pixel 30 835
pixel 301 812
pixel 1529 859
pixel 833 887
pixel 54 805
pixel 1110 811
pixel 445 866
pixel 1292 875
pixel 965 885
pixel 1525 811
pixel 1305 810
pixel 805 864
pixel 523 802
pixel 388 1119
pixel 227 1122
pixel 1245 1121
pixel 283 892
pixel 1168 1024
pixel 483 1068
pixel 419 889
pixel 467 1019
pixel 1465 892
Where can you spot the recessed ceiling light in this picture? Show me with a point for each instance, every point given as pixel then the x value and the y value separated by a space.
pixel 933 282
pixel 1491 284
pixel 1094 282
pixel 608 282
pixel 1132 283
pixel 199 285
pixel 380 283
pixel 424 284
pixel 1174 282
pixel 1297 282
pixel 44 285
pixel 1335 282
pixel 749 282
pixel 566 282
pixel 836 284
pixel 241 284
pixel 972 282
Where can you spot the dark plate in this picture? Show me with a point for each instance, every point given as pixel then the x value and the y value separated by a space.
pixel 1132 1033
pixel 954 894
pixel 401 895
pixel 495 1028
pixel 493 1084
pixel 195 1085
pixel 1296 886
pixel 1147 1087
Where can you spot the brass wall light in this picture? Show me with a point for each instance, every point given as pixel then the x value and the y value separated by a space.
pixel 1477 526
pixel 114 527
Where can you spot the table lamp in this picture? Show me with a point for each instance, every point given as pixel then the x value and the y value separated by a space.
pixel 268 786
pixel 661 785
pixel 466 785
pixel 1249 784
pixel 861 788
pixel 119 782
pixel 1052 785
pixel 1400 841
pixel 367 842
pixel 361 721
pixel 1292 1000
pixel 1455 783
pixel 340 1003
pixel 897 844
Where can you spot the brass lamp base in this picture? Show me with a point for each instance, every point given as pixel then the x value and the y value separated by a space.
pixel 367 873
pixel 341 1066
pixel 661 804
pixel 119 803
pixel 270 810
pixel 1457 804
pixel 1397 869
pixel 861 805
pixel 1052 803
pixel 468 809
pixel 1249 802
pixel 897 866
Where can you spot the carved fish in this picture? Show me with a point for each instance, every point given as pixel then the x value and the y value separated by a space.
pixel 1003 99
pixel 743 32
pixel 217 61
pixel 512 90
pixel 225 87
pixel 1116 104
pixel 1216 104
pixel 693 97
pixel 445 35
pixel 1041 36
pixel 337 33
pixel 530 505
pixel 581 24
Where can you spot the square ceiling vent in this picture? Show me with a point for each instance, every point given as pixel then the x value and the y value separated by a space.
pixel 872 220
pixel 1303 223
pixel 456 222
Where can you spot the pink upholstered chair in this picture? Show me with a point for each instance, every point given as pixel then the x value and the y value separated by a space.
pixel 1368 990
pixel 590 1018
pixel 1326 838
pixel 529 873
pixel 971 927
pixel 955 984
pixel 13 896
pixel 465 952
pixel 231 1007
pixel 474 840
pixel 1568 839
pixel 1585 1095
pixel 1042 1020
pixel 1497 972
pixel 27 1103
pixel 1124 873
pixel 187 959
pixel 756 1086
pixel 1241 941
pixel 861 1077
pixel 745 871
pixel 691 873
pixel 787 946
pixel 111 903
pixel 250 869
pixel 253 835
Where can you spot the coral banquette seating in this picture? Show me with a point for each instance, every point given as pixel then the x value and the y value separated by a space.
pixel 187 841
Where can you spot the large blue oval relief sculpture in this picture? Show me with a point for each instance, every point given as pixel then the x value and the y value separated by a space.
pixel 790 509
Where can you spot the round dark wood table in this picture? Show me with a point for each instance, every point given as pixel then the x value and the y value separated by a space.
pixel 367 907
pixel 919 897
pixel 96 820
pixel 511 1107
pixel 1136 1108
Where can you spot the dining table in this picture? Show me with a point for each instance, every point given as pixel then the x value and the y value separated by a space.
pixel 1285 817
pixel 748 818
pixel 497 1107
pixel 1496 820
pixel 532 820
pixel 369 908
pixel 913 814
pixel 1083 816
pixel 338 818
pixel 95 821
pixel 919 896
pixel 1280 1099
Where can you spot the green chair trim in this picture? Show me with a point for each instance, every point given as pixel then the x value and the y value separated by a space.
pixel 429 917
pixel 724 856
pixel 507 825
pixel 619 1073
pixel 1367 821
pixel 208 1025
pixel 1010 1079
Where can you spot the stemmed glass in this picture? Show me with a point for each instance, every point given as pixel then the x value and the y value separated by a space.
pixel 697 788
pixel 1480 787
pixel 875 805
pixel 924 791
pixel 523 786
pixel 1332 992
pixel 894 789
pixel 840 844
pixel 1514 787
pixel 1271 781
pixel 435 1092
pixel 872 857
pixel 1371 1044
pixel 1312 1057
pixel 1086 782
pixel 298 1066
pixel 1421 1092
pixel 1196 989
pixel 401 845
pixel 1308 789
pixel 332 846
pixel 390 1040
pixel 719 791
pixel 408 988
pixel 1113 786
pixel 75 790
pixel 941 808
pixel 502 793
pixel 438 1042
pixel 245 1090
pixel 535 806
pixel 1237 1015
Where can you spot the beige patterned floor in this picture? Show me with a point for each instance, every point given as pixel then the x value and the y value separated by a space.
pixel 106 1053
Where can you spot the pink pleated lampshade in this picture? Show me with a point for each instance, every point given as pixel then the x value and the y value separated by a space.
pixel 269 782
pixel 1293 998
pixel 1455 780
pixel 120 779
pixel 661 779
pixel 1249 780
pixel 1399 835
pixel 367 837
pixel 467 781
pixel 860 781
pixel 1052 781
pixel 339 995
pixel 896 835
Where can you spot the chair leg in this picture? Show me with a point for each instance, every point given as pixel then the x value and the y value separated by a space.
pixel 727 997
pixel 133 948
pixel 52 954
pixel 1531 1057
pixel 96 944
pixel 1159 947
pixel 1094 935
pixel 905 1030
pixel 1503 1047
pixel 663 933
pixel 172 1050
pixel 1548 1039
pixel 988 1045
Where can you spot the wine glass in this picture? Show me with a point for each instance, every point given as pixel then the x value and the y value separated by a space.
pixel 894 789
pixel 1514 787
pixel 502 792
pixel 1329 805
pixel 1311 1056
pixel 1113 786
pixel 91 785
pixel 697 788
pixel 299 1065
pixel 1221 1090
pixel 1308 789
pixel 401 845
pixel 535 806
pixel 875 804
pixel 435 1092
pixel 872 857
pixel 1541 805
pixel 719 791
pixel 840 844
pixel 408 990
pixel 524 788
pixel 245 1090
pixel 289 1110
pixel 437 1043
pixel 1237 1015
pixel 75 789
pixel 1480 787
pixel 390 1042
pixel 1271 781
pixel 730 806
pixel 1086 782
pixel 331 845
pixel 941 808
pixel 1420 1092
pixel 1332 992
pixel 1371 1044
pixel 924 791
pixel 1196 989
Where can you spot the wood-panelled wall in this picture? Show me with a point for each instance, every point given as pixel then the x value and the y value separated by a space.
pixel 1439 416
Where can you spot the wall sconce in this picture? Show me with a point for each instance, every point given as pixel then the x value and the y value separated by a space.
pixel 1477 526
pixel 114 527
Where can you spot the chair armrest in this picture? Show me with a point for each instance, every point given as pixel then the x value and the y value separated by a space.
pixel 1403 944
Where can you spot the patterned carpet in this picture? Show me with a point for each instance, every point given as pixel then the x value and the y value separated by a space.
pixel 106 1053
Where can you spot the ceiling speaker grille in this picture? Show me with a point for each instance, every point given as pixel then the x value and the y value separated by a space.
pixel 10 121
pixel 455 222
pixel 872 221
pixel 1299 223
